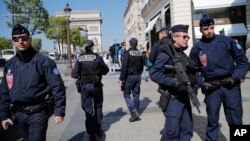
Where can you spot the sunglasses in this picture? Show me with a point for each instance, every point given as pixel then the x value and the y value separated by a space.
pixel 23 38
pixel 184 36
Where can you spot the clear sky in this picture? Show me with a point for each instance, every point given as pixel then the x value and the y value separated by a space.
pixel 112 12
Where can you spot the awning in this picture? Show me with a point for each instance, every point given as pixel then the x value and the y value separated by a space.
pixel 201 4
pixel 151 24
pixel 145 44
pixel 230 30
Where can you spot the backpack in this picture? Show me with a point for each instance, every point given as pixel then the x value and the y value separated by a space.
pixel 114 52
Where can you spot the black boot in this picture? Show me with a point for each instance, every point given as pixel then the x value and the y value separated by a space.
pixel 99 132
pixel 92 137
pixel 134 116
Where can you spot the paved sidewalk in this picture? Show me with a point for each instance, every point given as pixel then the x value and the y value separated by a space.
pixel 116 115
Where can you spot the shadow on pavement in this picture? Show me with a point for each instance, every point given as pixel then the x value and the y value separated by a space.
pixel 77 137
pixel 112 117
pixel 144 103
pixel 200 125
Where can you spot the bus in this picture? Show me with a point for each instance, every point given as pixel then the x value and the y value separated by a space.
pixel 7 53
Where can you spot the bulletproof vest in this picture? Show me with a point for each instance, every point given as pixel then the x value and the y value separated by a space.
pixel 135 61
pixel 90 69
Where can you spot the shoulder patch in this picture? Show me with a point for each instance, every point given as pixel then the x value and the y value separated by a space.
pixel 56 71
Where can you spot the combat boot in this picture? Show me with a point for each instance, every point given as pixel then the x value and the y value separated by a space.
pixel 92 137
pixel 134 116
pixel 99 132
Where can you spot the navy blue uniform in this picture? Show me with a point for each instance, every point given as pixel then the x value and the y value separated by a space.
pixel 132 67
pixel 155 47
pixel 178 114
pixel 215 60
pixel 27 83
pixel 89 69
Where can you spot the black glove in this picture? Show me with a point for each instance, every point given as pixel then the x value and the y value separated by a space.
pixel 228 82
pixel 181 88
pixel 208 88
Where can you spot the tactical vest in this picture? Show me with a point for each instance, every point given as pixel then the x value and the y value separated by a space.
pixel 90 69
pixel 184 59
pixel 135 61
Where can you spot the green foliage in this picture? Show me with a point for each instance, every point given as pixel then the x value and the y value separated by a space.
pixel 5 43
pixel 29 13
pixel 36 43
pixel 56 29
pixel 76 38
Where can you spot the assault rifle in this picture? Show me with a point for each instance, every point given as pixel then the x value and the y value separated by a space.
pixel 182 76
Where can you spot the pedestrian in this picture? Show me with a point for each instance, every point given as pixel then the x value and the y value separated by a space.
pixel 29 79
pixel 220 65
pixel 89 69
pixel 163 34
pixel 144 72
pixel 130 78
pixel 148 64
pixel 111 64
pixel 177 109
pixel 121 52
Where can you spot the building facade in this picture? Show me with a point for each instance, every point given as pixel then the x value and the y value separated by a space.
pixel 231 17
pixel 134 23
pixel 89 22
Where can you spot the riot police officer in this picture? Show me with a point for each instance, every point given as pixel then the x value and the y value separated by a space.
pixel 29 78
pixel 89 69
pixel 177 110
pixel 130 78
pixel 220 65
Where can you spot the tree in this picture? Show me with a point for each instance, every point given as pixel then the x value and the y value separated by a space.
pixel 29 13
pixel 56 30
pixel 36 44
pixel 76 38
pixel 5 43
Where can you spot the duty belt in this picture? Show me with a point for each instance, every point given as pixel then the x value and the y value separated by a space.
pixel 30 109
pixel 133 73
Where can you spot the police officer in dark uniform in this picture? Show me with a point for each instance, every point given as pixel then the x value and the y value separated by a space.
pixel 89 69
pixel 220 65
pixel 130 77
pixel 178 112
pixel 29 79
pixel 163 35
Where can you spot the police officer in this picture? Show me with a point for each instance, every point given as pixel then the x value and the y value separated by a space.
pixel 89 69
pixel 29 78
pixel 178 112
pixel 163 35
pixel 130 77
pixel 220 65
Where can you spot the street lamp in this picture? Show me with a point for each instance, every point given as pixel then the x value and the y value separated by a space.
pixel 67 11
pixel 85 30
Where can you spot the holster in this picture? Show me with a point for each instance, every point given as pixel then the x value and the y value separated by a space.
pixel 50 105
pixel 164 99
pixel 78 85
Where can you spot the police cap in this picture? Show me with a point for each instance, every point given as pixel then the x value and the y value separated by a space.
pixel 18 29
pixel 133 41
pixel 179 28
pixel 206 20
pixel 89 43
pixel 163 29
